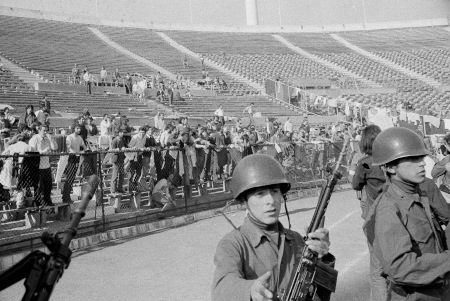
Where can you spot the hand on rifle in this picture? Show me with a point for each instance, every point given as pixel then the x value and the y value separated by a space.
pixel 259 291
pixel 319 242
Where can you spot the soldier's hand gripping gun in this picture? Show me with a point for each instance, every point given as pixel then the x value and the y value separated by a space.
pixel 310 272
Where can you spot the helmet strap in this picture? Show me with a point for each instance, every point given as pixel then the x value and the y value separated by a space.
pixel 287 212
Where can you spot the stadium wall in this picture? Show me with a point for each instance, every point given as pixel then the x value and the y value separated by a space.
pixel 230 15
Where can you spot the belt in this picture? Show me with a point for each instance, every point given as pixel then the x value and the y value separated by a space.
pixel 405 290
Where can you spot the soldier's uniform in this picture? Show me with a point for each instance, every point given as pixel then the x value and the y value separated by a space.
pixel 403 228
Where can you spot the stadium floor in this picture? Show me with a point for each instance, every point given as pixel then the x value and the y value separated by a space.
pixel 176 264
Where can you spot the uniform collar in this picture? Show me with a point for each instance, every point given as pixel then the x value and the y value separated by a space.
pixel 406 199
pixel 255 234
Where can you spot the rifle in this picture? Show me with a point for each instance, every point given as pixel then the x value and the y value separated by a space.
pixel 42 271
pixel 311 272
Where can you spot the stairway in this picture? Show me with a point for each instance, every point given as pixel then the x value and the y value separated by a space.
pixel 20 72
pixel 132 55
pixel 325 62
pixel 429 81
pixel 211 64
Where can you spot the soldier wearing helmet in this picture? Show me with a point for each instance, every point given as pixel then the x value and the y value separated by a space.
pixel 255 261
pixel 403 225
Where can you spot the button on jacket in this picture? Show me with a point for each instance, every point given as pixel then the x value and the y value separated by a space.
pixel 245 254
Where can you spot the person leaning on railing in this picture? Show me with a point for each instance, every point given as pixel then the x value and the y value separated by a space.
pixel 75 145
pixel 44 143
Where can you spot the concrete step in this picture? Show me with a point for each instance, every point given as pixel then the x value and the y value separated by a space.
pixel 211 64
pixel 326 63
pixel 430 81
pixel 20 72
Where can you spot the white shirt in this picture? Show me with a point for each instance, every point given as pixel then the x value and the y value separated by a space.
pixel 288 126
pixel 87 77
pixel 248 109
pixel 103 73
pixel 20 148
pixel 43 146
pixel 219 112
pixel 105 128
pixel 74 143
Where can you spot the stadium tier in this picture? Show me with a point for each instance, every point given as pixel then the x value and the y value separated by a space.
pixel 51 48
pixel 148 44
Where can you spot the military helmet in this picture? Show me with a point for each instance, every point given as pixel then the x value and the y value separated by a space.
pixel 396 143
pixel 257 171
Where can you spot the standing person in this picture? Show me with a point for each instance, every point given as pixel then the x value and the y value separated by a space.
pixel 103 76
pixel 117 160
pixel 75 145
pixel 87 77
pixel 368 181
pixel 137 142
pixel 219 112
pixel 83 131
pixel 185 61
pixel 401 225
pixel 44 144
pixel 249 111
pixel 27 119
pixel 116 78
pixel 150 141
pixel 135 89
pixel 288 127
pixel 76 74
pixel 170 94
pixel 256 260
pixel 202 61
pixel 128 84
pixel 367 177
pixel 46 103
pixel 9 116
pixel 269 127
pixel 442 169
pixel 5 126
pixel 91 129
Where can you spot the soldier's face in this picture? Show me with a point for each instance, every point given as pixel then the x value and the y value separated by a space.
pixel 409 170
pixel 264 203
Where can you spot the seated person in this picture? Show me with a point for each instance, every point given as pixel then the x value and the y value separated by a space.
pixel 161 195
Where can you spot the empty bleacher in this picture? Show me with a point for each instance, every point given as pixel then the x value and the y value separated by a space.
pixel 52 48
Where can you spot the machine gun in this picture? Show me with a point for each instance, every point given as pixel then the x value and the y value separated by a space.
pixel 43 271
pixel 310 273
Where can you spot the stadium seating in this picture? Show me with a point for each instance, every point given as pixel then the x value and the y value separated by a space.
pixel 151 46
pixel 51 48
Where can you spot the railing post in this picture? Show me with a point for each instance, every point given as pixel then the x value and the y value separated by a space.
pixel 186 182
pixel 100 192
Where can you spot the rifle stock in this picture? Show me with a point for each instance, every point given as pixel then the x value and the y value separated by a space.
pixel 311 273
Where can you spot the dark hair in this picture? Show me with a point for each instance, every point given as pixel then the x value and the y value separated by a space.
pixel 40 126
pixel 369 133
pixel 143 128
pixel 447 138
pixel 443 149
pixel 29 106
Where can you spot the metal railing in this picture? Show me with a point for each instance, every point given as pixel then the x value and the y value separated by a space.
pixel 137 186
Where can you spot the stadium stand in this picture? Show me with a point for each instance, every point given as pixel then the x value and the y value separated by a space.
pixel 149 45
pixel 51 48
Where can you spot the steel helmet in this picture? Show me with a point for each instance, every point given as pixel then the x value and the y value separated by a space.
pixel 395 143
pixel 258 171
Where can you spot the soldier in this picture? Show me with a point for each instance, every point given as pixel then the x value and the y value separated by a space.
pixel 255 261
pixel 403 226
